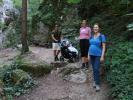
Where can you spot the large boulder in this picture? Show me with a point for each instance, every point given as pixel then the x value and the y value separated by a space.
pixel 32 64
pixel 42 36
pixel 73 73
pixel 78 77
pixel 41 40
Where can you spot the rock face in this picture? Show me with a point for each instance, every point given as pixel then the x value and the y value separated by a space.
pixel 4 9
pixel 7 14
pixel 42 36
pixel 32 64
pixel 73 73
pixel 79 77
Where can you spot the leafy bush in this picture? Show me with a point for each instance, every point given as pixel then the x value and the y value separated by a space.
pixel 16 81
pixel 17 3
pixel 120 71
pixel 73 1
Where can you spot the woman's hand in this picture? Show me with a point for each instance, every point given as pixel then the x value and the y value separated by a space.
pixel 102 59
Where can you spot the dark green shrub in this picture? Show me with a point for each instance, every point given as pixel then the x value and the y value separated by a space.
pixel 15 81
pixel 120 71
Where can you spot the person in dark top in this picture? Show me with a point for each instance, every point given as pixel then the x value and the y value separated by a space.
pixel 56 37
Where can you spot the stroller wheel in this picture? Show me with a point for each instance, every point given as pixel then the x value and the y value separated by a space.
pixel 61 58
pixel 71 60
pixel 77 58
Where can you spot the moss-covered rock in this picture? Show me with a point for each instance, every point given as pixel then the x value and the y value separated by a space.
pixel 37 69
pixel 32 64
pixel 15 81
pixel 19 76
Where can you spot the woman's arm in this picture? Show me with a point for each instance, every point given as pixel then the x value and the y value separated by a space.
pixel 90 31
pixel 103 51
pixel 88 57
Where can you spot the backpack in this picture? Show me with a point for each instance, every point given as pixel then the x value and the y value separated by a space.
pixel 100 38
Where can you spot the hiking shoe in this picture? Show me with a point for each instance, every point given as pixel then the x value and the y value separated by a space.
pixel 83 66
pixel 94 85
pixel 97 88
pixel 87 64
pixel 56 58
pixel 61 58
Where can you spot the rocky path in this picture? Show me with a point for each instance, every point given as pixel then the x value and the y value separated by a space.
pixel 53 87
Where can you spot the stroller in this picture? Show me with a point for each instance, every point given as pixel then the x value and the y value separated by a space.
pixel 68 51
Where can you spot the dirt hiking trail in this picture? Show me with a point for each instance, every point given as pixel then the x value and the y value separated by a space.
pixel 53 87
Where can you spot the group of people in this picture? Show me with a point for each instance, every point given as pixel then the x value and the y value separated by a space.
pixel 92 48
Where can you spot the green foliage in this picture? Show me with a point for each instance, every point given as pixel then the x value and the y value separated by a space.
pixel 119 55
pixel 70 25
pixel 109 13
pixel 47 13
pixel 58 12
pixel 33 6
pixel 73 1
pixel 130 26
pixel 120 71
pixel 17 3
pixel 2 26
pixel 90 8
pixel 32 17
pixel 51 12
pixel 1 2
pixel 16 81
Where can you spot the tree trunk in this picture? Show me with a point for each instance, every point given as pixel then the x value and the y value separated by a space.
pixel 25 47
